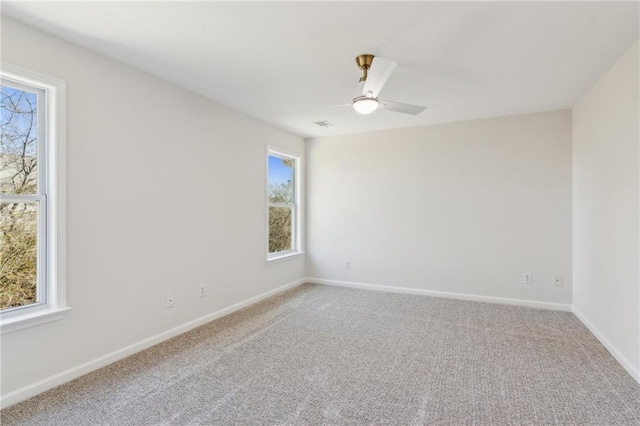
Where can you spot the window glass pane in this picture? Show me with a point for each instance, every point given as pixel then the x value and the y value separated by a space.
pixel 280 220
pixel 18 254
pixel 281 185
pixel 18 141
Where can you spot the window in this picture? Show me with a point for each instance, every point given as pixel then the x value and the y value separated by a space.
pixel 32 268
pixel 283 211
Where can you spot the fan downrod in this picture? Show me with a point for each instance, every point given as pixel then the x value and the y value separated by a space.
pixel 364 63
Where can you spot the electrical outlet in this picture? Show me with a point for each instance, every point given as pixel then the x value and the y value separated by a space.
pixel 170 300
pixel 527 277
pixel 557 280
pixel 202 290
pixel 347 264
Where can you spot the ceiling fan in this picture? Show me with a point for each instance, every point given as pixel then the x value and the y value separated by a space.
pixel 375 73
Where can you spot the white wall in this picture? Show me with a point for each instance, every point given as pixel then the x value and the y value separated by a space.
pixel 166 190
pixel 464 207
pixel 606 214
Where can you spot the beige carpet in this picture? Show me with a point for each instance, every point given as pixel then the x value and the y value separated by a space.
pixel 323 355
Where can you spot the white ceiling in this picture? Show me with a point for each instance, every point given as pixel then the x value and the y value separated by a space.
pixel 276 61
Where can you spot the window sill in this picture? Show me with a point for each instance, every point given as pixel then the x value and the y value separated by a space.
pixel 286 256
pixel 32 319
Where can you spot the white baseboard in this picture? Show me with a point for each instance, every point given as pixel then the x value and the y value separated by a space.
pixel 631 369
pixel 444 294
pixel 33 389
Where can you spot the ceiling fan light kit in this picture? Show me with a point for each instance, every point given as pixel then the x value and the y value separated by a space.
pixel 365 104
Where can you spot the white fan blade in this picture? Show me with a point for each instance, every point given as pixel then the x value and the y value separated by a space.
pixel 403 108
pixel 378 75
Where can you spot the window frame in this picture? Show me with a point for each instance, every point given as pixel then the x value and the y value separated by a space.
pixel 50 196
pixel 296 231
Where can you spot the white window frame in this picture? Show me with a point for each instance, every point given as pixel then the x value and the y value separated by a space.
pixel 297 211
pixel 51 196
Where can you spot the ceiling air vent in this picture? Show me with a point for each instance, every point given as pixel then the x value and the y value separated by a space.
pixel 324 124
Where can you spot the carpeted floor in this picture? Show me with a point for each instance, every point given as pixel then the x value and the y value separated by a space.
pixel 325 355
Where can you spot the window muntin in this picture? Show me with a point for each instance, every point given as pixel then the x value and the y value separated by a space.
pixel 282 204
pixel 23 196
